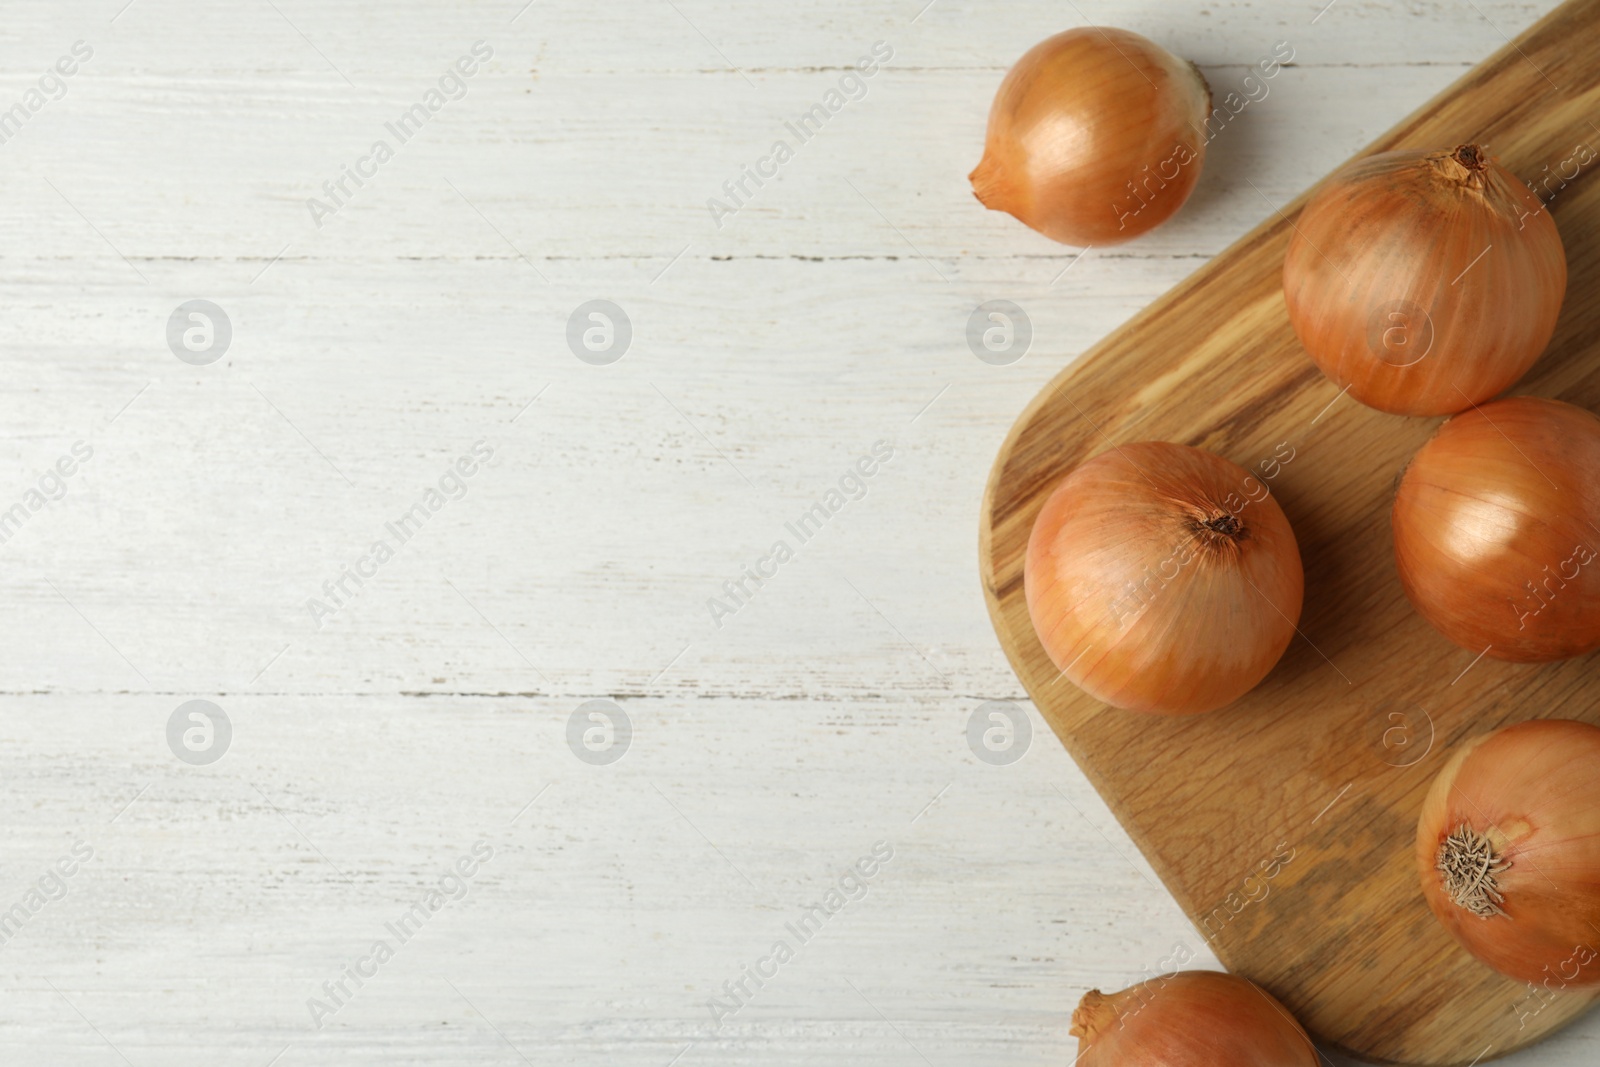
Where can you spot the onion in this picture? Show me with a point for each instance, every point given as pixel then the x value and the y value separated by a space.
pixel 1496 526
pixel 1508 847
pixel 1189 1019
pixel 1163 578
pixel 1425 282
pixel 1095 137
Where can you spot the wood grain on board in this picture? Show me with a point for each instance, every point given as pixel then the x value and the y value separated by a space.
pixel 1315 778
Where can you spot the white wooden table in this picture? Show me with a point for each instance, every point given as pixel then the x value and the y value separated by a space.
pixel 378 740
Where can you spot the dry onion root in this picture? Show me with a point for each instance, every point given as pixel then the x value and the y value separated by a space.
pixel 1189 1019
pixel 1424 282
pixel 1163 578
pixel 1096 136
pixel 1497 527
pixel 1508 849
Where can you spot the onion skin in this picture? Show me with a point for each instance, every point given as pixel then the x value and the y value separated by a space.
pixel 1532 790
pixel 1426 282
pixel 1496 528
pixel 1141 604
pixel 1096 136
pixel 1189 1019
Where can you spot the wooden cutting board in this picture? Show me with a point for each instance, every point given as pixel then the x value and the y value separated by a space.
pixel 1318 774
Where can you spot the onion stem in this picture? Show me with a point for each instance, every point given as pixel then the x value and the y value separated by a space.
pixel 1469 863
